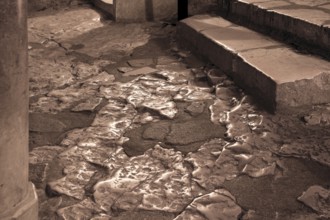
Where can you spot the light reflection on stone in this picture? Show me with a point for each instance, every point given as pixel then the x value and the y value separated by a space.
pixel 193 93
pixel 208 171
pixel 219 204
pixel 77 176
pixel 86 209
pixel 156 180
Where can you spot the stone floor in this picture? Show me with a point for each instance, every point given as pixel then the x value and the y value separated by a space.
pixel 125 125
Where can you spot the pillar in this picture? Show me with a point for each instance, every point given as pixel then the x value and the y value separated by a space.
pixel 18 199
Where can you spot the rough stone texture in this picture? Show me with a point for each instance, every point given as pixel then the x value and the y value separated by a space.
pixel 249 59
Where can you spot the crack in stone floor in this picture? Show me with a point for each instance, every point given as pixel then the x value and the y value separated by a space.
pixel 165 135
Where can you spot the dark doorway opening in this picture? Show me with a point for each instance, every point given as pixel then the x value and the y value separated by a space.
pixel 182 9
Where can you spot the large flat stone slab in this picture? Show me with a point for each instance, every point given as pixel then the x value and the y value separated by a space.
pixel 303 21
pixel 268 69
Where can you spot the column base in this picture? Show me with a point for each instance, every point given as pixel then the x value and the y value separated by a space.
pixel 27 209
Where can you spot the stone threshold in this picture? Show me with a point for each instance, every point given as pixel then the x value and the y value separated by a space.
pixel 274 73
pixel 304 24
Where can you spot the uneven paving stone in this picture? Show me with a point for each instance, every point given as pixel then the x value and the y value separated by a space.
pixel 62 99
pixel 49 129
pixel 318 117
pixel 125 69
pixel 80 165
pixel 193 131
pixel 164 106
pixel 161 60
pixel 318 199
pixel 73 183
pixel 61 122
pixel 48 206
pixel 227 93
pixel 196 108
pixel 38 175
pixel 141 215
pixel 44 123
pixel 88 105
pixel 279 193
pixel 83 70
pixel 39 160
pixel 101 79
pixel 140 62
pixel 209 169
pixel 219 204
pixel 141 71
pixel 136 145
pixel 216 76
pixel 139 182
pixel 157 131
pixel 85 209
pixel 59 73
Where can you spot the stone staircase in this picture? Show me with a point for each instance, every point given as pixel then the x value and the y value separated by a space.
pixel 277 51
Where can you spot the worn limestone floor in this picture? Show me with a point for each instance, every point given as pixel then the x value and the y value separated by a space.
pixel 124 125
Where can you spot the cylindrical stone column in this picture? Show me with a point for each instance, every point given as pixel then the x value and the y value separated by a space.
pixel 17 195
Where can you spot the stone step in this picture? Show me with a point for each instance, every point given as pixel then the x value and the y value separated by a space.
pixel 304 23
pixel 271 71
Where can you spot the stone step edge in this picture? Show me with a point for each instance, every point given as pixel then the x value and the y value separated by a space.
pixel 274 95
pixel 300 33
